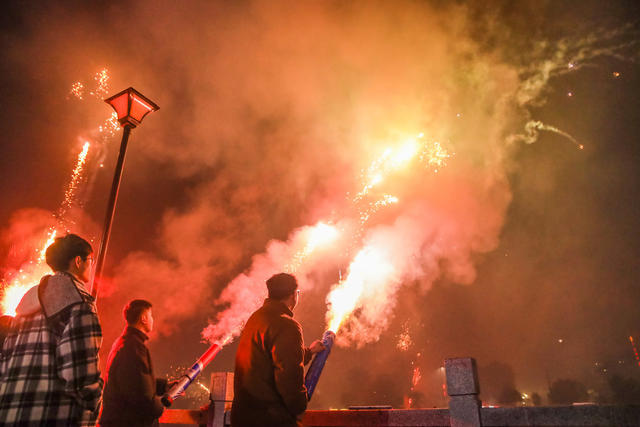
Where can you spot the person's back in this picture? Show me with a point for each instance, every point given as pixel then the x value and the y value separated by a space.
pixel 270 338
pixel 49 367
pixel 269 373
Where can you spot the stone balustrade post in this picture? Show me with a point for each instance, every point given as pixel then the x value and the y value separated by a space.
pixel 221 399
pixel 463 390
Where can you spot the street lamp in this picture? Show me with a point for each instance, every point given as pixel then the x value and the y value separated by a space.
pixel 131 107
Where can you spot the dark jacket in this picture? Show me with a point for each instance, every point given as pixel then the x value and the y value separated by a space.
pixel 131 392
pixel 269 375
pixel 49 368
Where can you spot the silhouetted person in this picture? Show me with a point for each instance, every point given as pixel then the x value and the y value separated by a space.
pixel 131 392
pixel 269 376
pixel 49 372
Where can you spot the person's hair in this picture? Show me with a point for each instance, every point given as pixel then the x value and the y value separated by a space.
pixel 64 249
pixel 133 311
pixel 281 286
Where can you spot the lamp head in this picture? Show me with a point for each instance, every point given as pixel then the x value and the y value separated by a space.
pixel 131 106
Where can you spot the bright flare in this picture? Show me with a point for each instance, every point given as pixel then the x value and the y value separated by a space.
pixel 369 268
pixel 317 236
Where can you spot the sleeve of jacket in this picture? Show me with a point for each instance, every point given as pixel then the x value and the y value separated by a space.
pixel 77 351
pixel 140 386
pixel 162 386
pixel 287 355
pixel 308 355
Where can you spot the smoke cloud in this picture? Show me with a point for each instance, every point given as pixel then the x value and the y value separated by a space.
pixel 271 114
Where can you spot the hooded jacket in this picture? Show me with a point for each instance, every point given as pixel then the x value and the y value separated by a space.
pixel 49 373
pixel 269 375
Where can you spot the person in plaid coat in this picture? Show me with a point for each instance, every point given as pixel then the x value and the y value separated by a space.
pixel 49 373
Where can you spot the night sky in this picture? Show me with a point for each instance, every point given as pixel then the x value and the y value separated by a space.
pixel 523 250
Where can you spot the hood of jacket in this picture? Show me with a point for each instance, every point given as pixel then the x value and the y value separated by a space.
pixel 60 291
pixel 29 303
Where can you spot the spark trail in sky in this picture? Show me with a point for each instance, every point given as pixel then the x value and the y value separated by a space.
pixel 242 294
pixel 17 282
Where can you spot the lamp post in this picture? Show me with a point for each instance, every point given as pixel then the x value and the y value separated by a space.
pixel 131 107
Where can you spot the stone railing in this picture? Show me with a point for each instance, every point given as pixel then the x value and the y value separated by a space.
pixel 465 409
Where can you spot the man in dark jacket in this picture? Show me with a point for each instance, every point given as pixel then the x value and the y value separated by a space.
pixel 49 368
pixel 131 392
pixel 269 376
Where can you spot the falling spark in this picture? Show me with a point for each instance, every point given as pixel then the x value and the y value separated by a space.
pixel 204 387
pixel 404 339
pixel 374 207
pixel 415 378
pixel 635 350
pixel 110 126
pixel 102 81
pixel 77 90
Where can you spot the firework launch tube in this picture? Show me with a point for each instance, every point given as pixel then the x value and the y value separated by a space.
pixel 314 371
pixel 190 374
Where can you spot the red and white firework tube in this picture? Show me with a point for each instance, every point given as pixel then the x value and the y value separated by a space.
pixel 190 374
pixel 315 369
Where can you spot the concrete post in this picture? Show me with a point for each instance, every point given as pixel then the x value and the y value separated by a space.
pixel 221 398
pixel 463 390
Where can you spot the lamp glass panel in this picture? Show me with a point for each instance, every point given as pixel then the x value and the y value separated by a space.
pixel 139 108
pixel 120 104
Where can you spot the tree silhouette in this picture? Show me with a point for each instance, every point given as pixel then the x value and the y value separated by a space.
pixel 566 391
pixel 626 391
pixel 536 399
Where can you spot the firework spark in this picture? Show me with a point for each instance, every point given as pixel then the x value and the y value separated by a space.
pixel 77 90
pixel 404 339
pixel 102 84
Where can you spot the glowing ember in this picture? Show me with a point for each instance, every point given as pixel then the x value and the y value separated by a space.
pixel 102 81
pixel 415 378
pixel 404 339
pixel 110 126
pixel 77 90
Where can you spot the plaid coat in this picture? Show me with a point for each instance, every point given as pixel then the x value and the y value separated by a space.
pixel 49 374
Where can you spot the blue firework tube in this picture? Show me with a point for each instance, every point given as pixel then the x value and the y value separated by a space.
pixel 314 371
pixel 189 375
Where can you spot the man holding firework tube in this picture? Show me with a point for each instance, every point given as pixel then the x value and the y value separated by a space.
pixel 131 392
pixel 269 375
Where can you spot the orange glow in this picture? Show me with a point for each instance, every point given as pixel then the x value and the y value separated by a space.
pixel 77 90
pixel 26 278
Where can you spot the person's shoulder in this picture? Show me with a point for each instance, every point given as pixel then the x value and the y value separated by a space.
pixel 287 322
